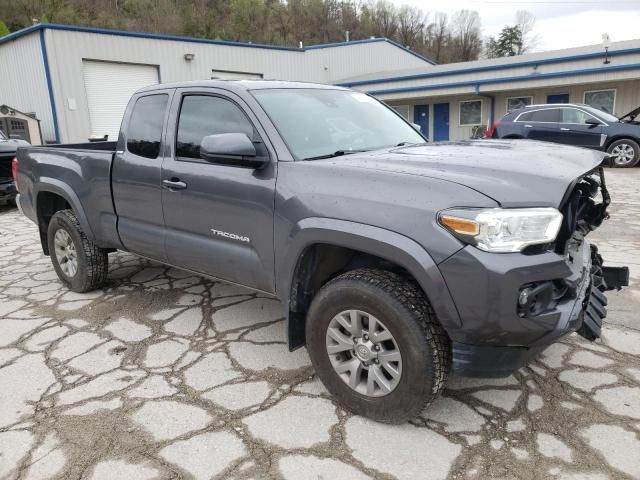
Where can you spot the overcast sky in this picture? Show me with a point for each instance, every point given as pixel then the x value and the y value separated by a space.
pixel 560 24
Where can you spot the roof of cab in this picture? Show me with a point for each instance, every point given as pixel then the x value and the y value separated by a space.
pixel 244 85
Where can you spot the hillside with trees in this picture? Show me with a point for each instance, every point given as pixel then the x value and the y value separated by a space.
pixel 443 38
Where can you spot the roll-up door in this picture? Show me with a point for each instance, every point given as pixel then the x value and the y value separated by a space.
pixel 109 87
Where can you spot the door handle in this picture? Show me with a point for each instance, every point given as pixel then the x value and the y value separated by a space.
pixel 564 129
pixel 174 184
pixel 528 126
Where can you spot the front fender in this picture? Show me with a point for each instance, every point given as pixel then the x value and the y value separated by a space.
pixel 53 185
pixel 380 242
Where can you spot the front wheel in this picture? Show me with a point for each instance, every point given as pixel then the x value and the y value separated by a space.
pixel 377 345
pixel 625 153
pixel 80 264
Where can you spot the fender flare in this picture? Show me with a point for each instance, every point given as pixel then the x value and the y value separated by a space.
pixel 380 242
pixel 53 185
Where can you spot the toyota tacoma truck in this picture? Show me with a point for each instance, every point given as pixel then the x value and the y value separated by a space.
pixel 397 261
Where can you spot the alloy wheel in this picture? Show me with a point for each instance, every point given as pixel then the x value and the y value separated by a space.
pixel 623 154
pixel 65 252
pixel 363 353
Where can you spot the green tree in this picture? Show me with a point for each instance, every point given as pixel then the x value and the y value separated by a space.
pixel 508 44
pixel 4 30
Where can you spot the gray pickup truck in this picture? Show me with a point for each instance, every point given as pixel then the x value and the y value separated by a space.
pixel 396 260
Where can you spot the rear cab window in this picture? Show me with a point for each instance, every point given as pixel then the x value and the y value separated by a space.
pixel 144 132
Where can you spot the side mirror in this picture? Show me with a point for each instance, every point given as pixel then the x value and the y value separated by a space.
pixel 592 122
pixel 417 127
pixel 231 149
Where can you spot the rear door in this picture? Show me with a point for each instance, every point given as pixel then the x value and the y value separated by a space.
pixel 220 220
pixel 136 175
pixel 540 124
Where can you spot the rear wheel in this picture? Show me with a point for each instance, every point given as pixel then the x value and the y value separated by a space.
pixel 625 153
pixel 376 344
pixel 80 264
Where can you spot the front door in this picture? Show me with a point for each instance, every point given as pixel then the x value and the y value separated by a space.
pixel 136 173
pixel 219 219
pixel 421 117
pixel 440 122
pixel 558 98
pixel 574 129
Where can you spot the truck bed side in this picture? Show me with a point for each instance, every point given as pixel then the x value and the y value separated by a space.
pixel 79 175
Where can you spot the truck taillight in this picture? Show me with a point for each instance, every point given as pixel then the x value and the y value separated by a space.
pixel 14 171
pixel 492 131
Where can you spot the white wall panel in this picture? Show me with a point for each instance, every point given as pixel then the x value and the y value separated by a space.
pixel 23 84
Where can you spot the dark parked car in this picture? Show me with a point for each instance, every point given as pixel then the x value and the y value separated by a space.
pixel 395 260
pixel 8 149
pixel 575 124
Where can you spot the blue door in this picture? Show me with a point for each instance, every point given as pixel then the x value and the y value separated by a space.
pixel 440 122
pixel 421 117
pixel 558 98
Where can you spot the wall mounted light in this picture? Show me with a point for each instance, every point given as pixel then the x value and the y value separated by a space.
pixel 606 41
pixel 189 56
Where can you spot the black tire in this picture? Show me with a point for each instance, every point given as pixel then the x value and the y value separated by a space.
pixel 621 143
pixel 423 344
pixel 12 203
pixel 92 261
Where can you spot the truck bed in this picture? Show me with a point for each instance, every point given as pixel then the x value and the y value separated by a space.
pixel 79 173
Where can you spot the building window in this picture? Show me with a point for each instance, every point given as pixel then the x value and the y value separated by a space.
pixel 402 110
pixel 514 103
pixel 470 113
pixel 604 100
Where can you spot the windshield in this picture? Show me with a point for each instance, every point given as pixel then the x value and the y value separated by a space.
pixel 321 123
pixel 607 117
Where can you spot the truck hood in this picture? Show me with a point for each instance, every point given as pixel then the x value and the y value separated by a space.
pixel 514 173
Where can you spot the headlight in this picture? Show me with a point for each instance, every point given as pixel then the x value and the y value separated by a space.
pixel 503 229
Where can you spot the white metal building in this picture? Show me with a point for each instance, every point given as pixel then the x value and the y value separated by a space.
pixel 448 101
pixel 78 80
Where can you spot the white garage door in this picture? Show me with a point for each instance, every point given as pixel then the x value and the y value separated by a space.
pixel 109 87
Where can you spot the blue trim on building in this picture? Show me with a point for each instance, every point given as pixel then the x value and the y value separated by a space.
pixel 477 83
pixel 491 68
pixel 177 38
pixel 47 73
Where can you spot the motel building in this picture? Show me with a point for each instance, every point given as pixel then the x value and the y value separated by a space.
pixel 450 101
pixel 77 81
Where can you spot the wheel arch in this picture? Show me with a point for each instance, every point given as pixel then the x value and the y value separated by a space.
pixel 51 196
pixel 321 248
pixel 620 136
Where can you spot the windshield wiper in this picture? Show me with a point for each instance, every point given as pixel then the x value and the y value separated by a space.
pixel 337 153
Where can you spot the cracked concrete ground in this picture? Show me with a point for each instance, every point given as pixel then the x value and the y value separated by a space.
pixel 163 374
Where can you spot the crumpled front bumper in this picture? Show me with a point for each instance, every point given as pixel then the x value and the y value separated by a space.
pixel 514 305
pixel 499 335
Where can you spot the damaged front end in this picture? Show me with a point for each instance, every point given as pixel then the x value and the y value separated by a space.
pixel 584 210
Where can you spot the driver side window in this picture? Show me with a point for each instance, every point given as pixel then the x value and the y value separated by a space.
pixel 203 115
pixel 575 116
